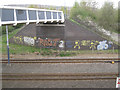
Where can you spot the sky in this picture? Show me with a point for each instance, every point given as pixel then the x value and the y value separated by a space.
pixel 53 2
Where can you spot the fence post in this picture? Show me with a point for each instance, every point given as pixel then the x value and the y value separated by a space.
pixel 92 49
pixel 7 44
pixel 113 49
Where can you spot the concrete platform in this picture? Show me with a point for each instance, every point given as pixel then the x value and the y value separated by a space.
pixel 61 84
pixel 60 68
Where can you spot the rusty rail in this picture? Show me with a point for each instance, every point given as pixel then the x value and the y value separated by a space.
pixel 87 60
pixel 58 76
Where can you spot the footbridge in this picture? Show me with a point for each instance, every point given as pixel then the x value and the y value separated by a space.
pixel 16 15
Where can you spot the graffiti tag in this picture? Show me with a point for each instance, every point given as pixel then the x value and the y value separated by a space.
pixel 48 42
pixel 18 39
pixel 77 44
pixel 29 41
pixel 102 45
pixel 24 40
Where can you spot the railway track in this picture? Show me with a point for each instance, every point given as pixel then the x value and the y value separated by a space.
pixel 89 60
pixel 58 76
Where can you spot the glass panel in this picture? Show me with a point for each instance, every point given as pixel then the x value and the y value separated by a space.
pixel 48 14
pixel 7 15
pixel 21 15
pixel 54 15
pixel 41 15
pixel 59 15
pixel 32 15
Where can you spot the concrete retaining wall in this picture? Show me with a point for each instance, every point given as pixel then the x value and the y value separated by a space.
pixel 69 37
pixel 50 36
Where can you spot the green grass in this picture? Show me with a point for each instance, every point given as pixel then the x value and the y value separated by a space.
pixel 93 52
pixel 118 32
pixel 14 48
pixel 22 50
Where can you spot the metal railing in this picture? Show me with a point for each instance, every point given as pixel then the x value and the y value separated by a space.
pixel 15 15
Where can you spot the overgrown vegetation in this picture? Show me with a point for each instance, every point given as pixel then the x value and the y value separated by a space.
pixel 10 28
pixel 106 16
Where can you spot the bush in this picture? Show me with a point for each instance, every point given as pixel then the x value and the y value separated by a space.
pixel 106 16
pixel 11 28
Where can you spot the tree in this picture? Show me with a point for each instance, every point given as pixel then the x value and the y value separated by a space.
pixel 33 6
pixel 65 10
pixel 107 16
pixel 118 20
pixel 74 11
pixel 52 8
pixel 84 9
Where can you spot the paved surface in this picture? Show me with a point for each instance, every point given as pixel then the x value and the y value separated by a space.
pixel 60 68
pixel 60 84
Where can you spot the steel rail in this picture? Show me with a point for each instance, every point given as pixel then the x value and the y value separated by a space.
pixel 53 62
pixel 100 78
pixel 62 59
pixel 84 60
pixel 58 76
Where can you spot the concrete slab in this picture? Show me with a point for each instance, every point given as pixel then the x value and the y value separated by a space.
pixel 61 68
pixel 60 84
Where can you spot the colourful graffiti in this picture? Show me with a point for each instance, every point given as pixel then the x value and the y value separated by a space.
pixel 48 42
pixel 18 39
pixel 61 44
pixel 69 44
pixel 58 43
pixel 102 45
pixel 77 44
pixel 93 44
pixel 24 40
pixel 90 44
pixel 29 41
pixel 85 42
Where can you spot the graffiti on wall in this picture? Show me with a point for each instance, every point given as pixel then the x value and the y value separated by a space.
pixel 69 44
pixel 102 45
pixel 58 43
pixel 84 43
pixel 77 44
pixel 18 39
pixel 50 43
pixel 91 44
pixel 24 40
pixel 29 41
pixel 61 44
